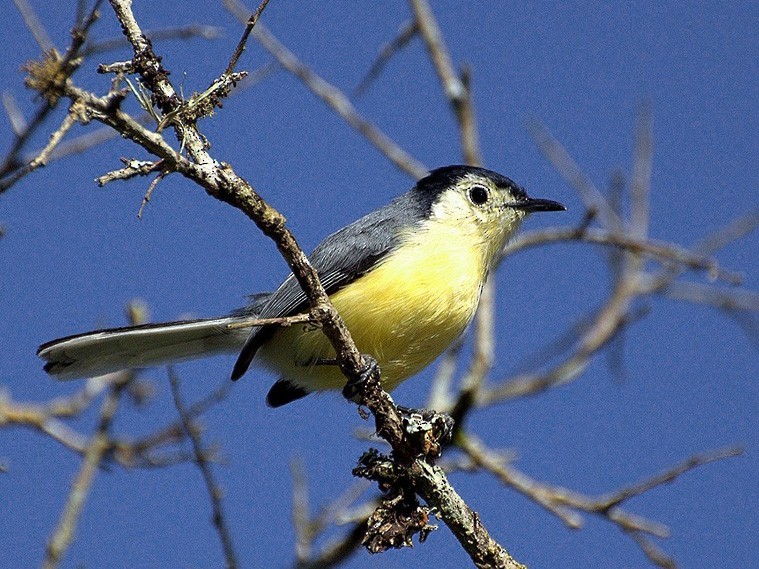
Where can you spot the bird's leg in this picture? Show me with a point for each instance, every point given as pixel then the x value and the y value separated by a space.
pixel 431 430
pixel 352 386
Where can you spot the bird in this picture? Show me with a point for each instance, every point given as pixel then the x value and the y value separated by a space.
pixel 406 279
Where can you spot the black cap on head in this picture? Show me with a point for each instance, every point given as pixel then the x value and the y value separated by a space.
pixel 440 179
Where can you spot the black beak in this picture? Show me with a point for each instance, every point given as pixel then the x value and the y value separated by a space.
pixel 532 205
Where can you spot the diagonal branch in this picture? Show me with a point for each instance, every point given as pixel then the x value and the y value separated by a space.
pixel 566 504
pixel 64 532
pixel 407 32
pixel 332 96
pixel 214 491
pixel 456 89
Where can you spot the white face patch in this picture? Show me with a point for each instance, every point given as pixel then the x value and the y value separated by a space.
pixel 477 210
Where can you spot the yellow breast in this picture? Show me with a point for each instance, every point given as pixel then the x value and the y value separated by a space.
pixel 405 312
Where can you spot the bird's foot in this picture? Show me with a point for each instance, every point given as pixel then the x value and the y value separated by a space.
pixel 354 385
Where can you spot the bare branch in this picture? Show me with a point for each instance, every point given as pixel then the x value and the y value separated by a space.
pixel 307 529
pixel 336 552
pixel 668 476
pixel 64 532
pixel 74 115
pixel 55 71
pixel 744 300
pixel 35 26
pixel 149 193
pixel 182 32
pixel 641 179
pixel 304 533
pixel 244 39
pixel 566 504
pixel 332 96
pixel 571 172
pixel 654 554
pixel 15 116
pixel 464 523
pixel 455 89
pixel 131 169
pixel 662 251
pixel 610 318
pixel 335 98
pixel 219 180
pixel 215 493
pixel 440 397
pixel 12 162
pixel 405 34
pixel 282 321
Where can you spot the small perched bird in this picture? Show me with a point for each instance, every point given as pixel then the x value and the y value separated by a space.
pixel 406 280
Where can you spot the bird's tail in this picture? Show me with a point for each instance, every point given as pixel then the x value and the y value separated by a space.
pixel 105 351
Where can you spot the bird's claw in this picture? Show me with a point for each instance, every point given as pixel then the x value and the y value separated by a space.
pixel 354 385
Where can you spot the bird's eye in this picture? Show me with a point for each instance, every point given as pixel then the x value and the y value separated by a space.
pixel 478 195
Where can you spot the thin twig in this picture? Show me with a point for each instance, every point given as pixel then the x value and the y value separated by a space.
pixel 182 32
pixel 307 529
pixel 14 113
pixel 440 397
pixel 149 193
pixel 332 96
pixel 335 553
pixel 670 475
pixel 654 554
pixel 304 534
pixel 65 64
pixel 742 300
pixel 456 89
pixel 337 100
pixel 571 172
pixel 641 178
pixel 12 162
pixel 35 26
pixel 215 493
pixel 280 321
pixel 244 39
pixel 608 321
pixel 131 169
pixel 41 159
pixel 566 504
pixel 405 34
pixel 660 250
pixel 64 532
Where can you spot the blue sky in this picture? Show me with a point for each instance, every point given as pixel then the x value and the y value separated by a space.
pixel 73 254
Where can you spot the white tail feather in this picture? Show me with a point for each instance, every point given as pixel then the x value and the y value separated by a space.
pixel 105 351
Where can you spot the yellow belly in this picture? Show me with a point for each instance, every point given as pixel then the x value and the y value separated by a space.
pixel 404 313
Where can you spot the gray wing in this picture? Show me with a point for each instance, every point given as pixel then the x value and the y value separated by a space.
pixel 340 259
